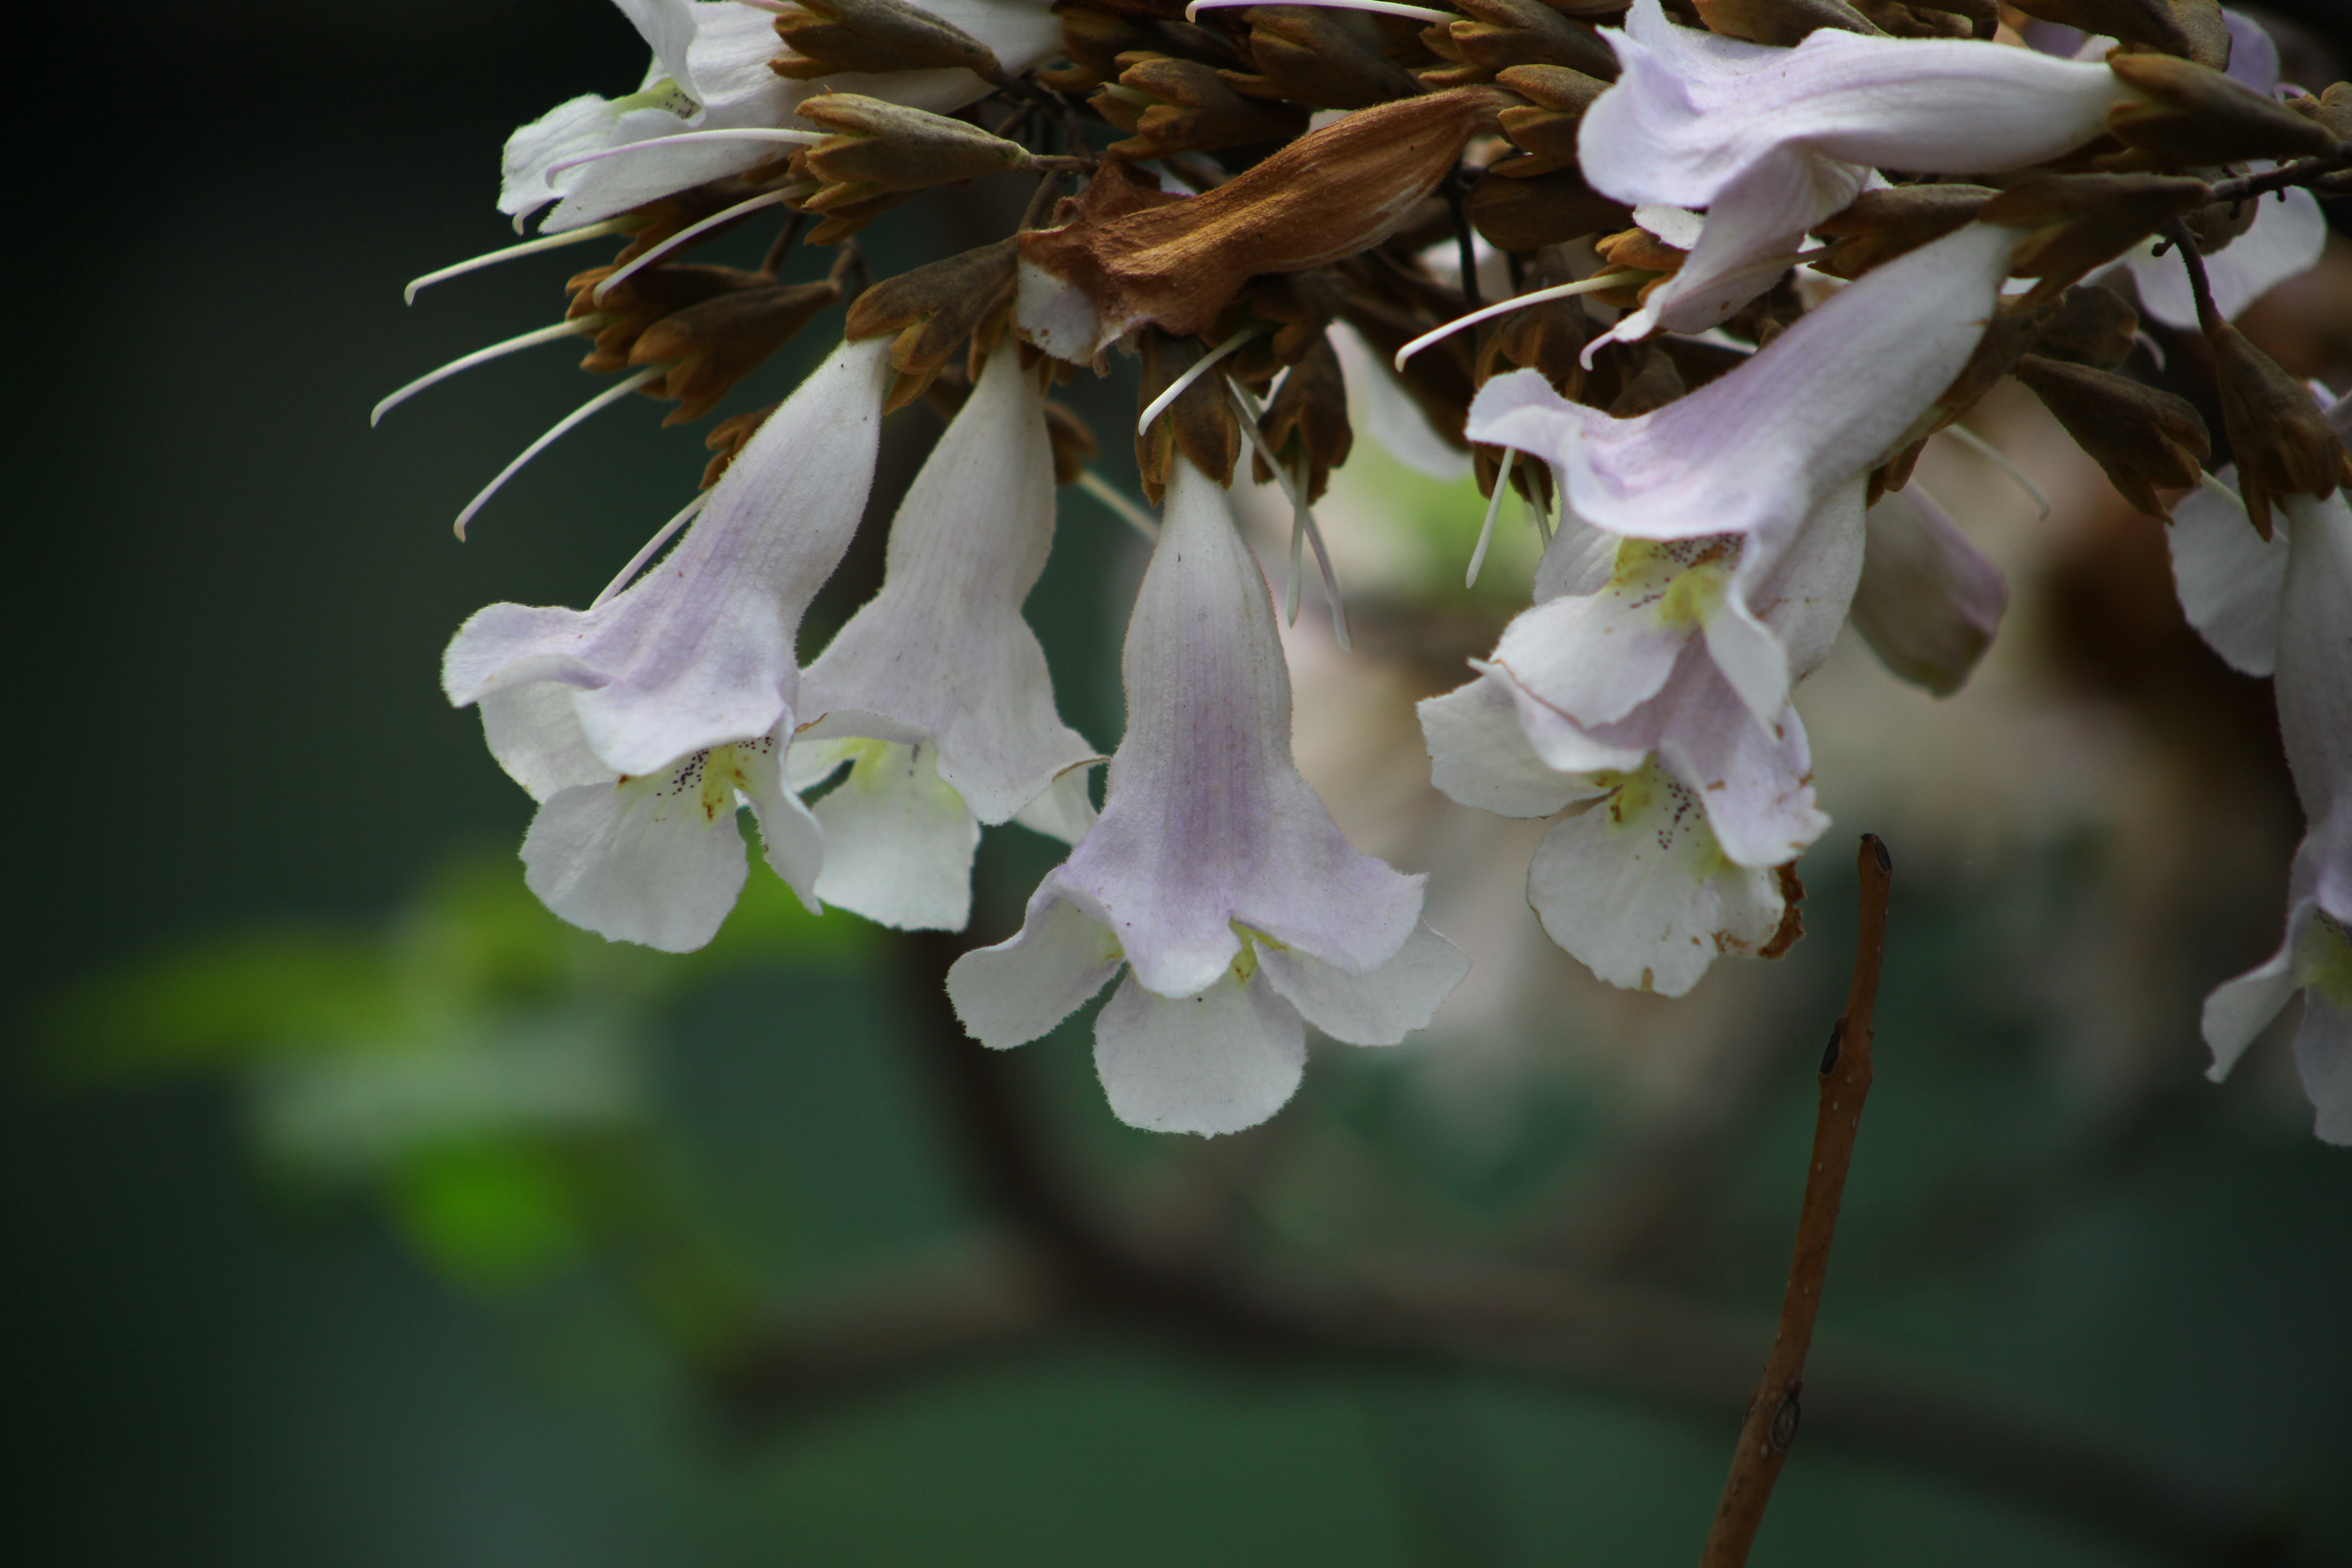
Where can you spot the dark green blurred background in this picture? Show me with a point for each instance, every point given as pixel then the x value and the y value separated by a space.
pixel 231 599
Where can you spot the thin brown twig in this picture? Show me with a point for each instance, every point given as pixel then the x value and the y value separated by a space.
pixel 2302 172
pixel 1772 1415
pixel 2201 287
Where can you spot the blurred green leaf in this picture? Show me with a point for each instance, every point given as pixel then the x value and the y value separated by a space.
pixel 493 1216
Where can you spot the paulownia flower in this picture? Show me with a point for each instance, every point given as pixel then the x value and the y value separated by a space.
pixel 1929 601
pixel 1214 875
pixel 2283 606
pixel 1772 141
pixel 937 693
pixel 1752 452
pixel 711 72
pixel 636 723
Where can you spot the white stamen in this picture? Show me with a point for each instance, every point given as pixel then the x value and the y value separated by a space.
pixel 749 133
pixel 1383 8
pixel 652 547
pixel 1302 517
pixel 1126 511
pixel 1200 368
pixel 620 274
pixel 1557 291
pixel 1992 454
pixel 774 8
pixel 1297 539
pixel 1541 517
pixel 2211 481
pixel 611 394
pixel 527 247
pixel 483 356
pixel 1486 529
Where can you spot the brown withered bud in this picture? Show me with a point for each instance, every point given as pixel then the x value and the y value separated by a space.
pixel 2009 332
pixel 2331 110
pixel 662 220
pixel 850 216
pixel 2193 115
pixel 1880 225
pixel 1897 20
pixel 1200 423
pixel 932 309
pixel 1782 22
pixel 1072 442
pixel 1312 408
pixel 631 307
pixel 1329 194
pixel 1516 212
pixel 1545 128
pixel 2182 27
pixel 2283 443
pixel 2145 438
pixel 1301 304
pixel 2089 325
pixel 879 147
pixel 1095 40
pixel 1651 386
pixel 1640 252
pixel 1178 106
pixel 1547 339
pixel 829 36
pixel 1499 34
pixel 2082 221
pixel 719 341
pixel 1320 58
pixel 729 437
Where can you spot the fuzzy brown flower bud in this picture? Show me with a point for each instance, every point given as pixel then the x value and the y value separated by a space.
pixel 2082 221
pixel 1311 406
pixel 1178 106
pixel 1547 339
pixel 2089 325
pixel 1499 34
pixel 2282 442
pixel 719 341
pixel 2193 30
pixel 1200 423
pixel 1094 40
pixel 1545 128
pixel 1782 22
pixel 1880 225
pixel 830 36
pixel 932 309
pixel 1320 58
pixel 2145 438
pixel 880 147
pixel 727 437
pixel 1954 19
pixel 1657 383
pixel 2193 115
pixel 631 307
pixel 1525 212
pixel 1329 194
pixel 2331 110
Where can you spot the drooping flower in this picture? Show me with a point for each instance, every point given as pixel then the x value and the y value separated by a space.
pixel 2285 607
pixel 636 722
pixel 1929 601
pixel 937 693
pixel 1772 141
pixel 1214 875
pixel 711 72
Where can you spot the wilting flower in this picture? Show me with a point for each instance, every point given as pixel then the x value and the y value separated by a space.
pixel 636 723
pixel 1215 874
pixel 2283 606
pixel 937 693
pixel 1772 141
pixel 1929 601
pixel 711 72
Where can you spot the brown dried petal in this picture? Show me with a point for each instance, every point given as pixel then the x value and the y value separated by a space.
pixel 2145 438
pixel 1328 194
pixel 829 36
pixel 1880 225
pixel 2283 444
pixel 1525 214
pixel 1781 22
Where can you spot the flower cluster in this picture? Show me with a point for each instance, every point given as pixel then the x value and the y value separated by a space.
pixel 1750 258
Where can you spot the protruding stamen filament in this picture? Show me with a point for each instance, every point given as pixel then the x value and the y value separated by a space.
pixel 1486 529
pixel 652 547
pixel 527 247
pixel 1993 455
pixel 1302 517
pixel 1540 515
pixel 1200 367
pixel 1297 538
pixel 483 356
pixel 1593 285
pixel 1384 7
pixel 1109 494
pixel 2207 480
pixel 611 394
pixel 748 133
pixel 765 199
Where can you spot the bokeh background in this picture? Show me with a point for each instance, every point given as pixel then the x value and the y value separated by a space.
pixel 359 1214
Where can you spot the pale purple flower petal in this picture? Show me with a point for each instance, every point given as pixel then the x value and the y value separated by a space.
pixel 699 651
pixel 1929 601
pixel 1008 995
pixel 1217 1061
pixel 2230 578
pixel 1480 755
pixel 1378 1008
pixel 899 841
pixel 2285 241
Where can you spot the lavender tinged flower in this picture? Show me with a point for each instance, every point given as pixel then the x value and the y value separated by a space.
pixel 638 724
pixel 937 693
pixel 1214 875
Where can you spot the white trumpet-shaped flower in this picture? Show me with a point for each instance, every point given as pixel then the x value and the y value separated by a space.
pixel 710 73
pixel 636 723
pixel 2286 608
pixel 937 693
pixel 1772 141
pixel 1215 874
pixel 1610 705
pixel 1929 601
